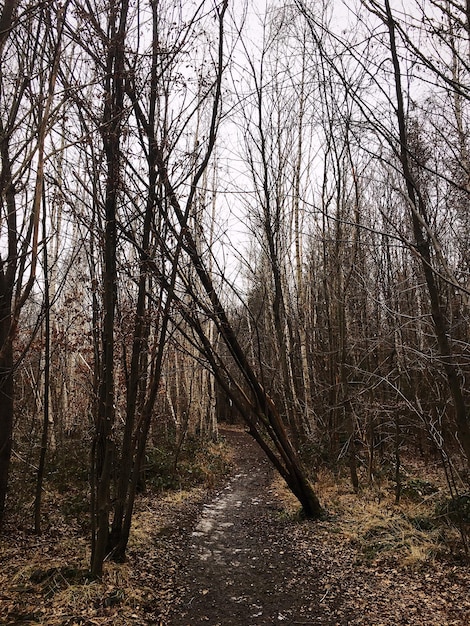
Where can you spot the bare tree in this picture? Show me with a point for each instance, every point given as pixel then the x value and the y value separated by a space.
pixel 26 111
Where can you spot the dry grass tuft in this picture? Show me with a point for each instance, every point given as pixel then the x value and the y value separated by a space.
pixel 374 525
pixel 182 495
pixel 284 496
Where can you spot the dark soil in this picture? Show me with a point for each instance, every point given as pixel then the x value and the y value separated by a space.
pixel 239 568
pixel 240 555
pixel 248 563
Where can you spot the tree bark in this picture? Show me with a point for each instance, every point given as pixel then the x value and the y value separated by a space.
pixel 111 133
pixel 7 281
pixel 419 219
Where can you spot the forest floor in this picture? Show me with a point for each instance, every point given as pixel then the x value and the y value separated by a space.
pixel 240 555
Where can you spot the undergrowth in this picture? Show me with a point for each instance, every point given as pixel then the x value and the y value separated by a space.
pixel 426 524
pixel 198 462
pixel 66 490
pixel 46 579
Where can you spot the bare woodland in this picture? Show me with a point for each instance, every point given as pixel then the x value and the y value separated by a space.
pixel 215 212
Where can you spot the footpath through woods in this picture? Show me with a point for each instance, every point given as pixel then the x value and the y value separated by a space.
pixel 240 567
pixel 248 563
pixel 239 555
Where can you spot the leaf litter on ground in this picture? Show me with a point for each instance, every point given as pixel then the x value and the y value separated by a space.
pixel 368 562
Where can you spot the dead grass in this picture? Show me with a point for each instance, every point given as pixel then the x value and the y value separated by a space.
pixel 286 498
pixel 45 580
pixel 372 524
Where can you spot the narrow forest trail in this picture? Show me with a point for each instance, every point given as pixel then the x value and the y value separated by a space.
pixel 248 563
pixel 239 556
pixel 239 570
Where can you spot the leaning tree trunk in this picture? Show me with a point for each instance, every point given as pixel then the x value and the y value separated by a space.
pixel 281 452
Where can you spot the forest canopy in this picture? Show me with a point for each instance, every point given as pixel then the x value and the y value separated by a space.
pixel 218 212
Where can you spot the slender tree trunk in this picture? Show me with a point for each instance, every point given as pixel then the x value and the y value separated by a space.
pixel 301 292
pixel 419 218
pixel 6 403
pixel 397 458
pixel 7 322
pixel 46 391
pixel 6 21
pixel 111 132
pixel 7 278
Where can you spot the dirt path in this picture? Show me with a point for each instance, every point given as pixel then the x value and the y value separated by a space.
pixel 247 563
pixel 239 568
pixel 240 557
